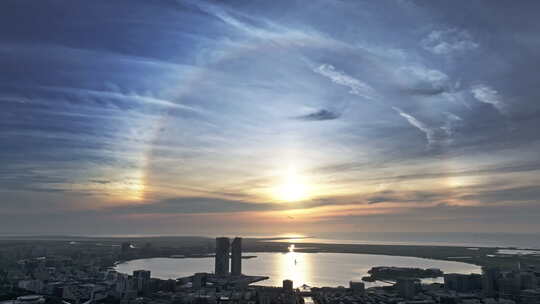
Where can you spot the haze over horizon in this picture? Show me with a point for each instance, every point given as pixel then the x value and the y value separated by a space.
pixel 251 117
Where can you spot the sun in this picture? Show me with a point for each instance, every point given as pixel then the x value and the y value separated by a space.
pixel 293 188
pixel 291 192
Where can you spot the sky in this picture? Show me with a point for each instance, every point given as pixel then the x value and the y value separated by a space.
pixel 269 117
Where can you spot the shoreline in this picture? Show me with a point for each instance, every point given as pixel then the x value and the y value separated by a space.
pixel 368 261
pixel 479 256
pixel 176 247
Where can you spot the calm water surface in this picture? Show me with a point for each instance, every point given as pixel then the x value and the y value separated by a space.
pixel 313 269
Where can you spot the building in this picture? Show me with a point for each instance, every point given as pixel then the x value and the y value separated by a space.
pixel 198 280
pixel 489 281
pixel 124 249
pixel 222 256
pixel 509 285
pixel 287 286
pixel 528 280
pixel 530 296
pixel 142 280
pixel 236 257
pixel 462 282
pixel 81 293
pixel 31 285
pixel 357 287
pixel 406 287
pixel 449 300
pixel 31 299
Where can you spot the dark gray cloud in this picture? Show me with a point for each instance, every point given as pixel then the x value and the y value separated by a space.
pixel 419 91
pixel 407 197
pixel 100 181
pixel 187 205
pixel 515 194
pixel 320 115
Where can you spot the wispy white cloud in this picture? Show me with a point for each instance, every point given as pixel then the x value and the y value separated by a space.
pixel 130 96
pixel 266 30
pixel 430 134
pixel 486 94
pixel 435 135
pixel 452 121
pixel 356 86
pixel 444 42
pixel 417 73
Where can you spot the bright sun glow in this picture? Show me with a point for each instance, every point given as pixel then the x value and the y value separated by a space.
pixel 293 188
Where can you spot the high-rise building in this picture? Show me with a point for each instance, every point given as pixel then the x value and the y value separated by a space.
pixel 288 286
pixel 236 257
pixel 489 281
pixel 357 287
pixel 406 287
pixel 199 280
pixel 530 296
pixel 528 280
pixel 462 282
pixel 222 256
pixel 125 247
pixel 509 284
pixel 144 274
pixel 142 280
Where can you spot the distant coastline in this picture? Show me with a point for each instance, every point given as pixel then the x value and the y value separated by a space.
pixel 193 246
pixel 452 239
pixel 480 256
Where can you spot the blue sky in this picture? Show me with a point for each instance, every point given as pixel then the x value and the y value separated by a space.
pixel 196 117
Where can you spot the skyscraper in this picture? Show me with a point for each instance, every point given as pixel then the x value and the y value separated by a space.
pixel 198 280
pixel 489 281
pixel 222 256
pixel 406 287
pixel 142 280
pixel 236 257
pixel 287 286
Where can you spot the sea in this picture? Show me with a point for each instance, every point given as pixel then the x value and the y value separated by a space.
pixel 463 239
pixel 469 239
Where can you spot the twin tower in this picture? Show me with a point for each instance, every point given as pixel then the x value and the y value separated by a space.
pixel 223 245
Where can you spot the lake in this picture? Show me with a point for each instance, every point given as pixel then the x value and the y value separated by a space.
pixel 313 269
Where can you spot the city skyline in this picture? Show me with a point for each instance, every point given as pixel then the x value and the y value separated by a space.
pixel 244 118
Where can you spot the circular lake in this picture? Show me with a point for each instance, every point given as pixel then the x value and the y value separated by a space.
pixel 313 269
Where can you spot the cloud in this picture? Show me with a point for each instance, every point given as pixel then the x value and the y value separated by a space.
pixel 188 205
pixel 452 123
pixel 264 29
pixel 100 181
pixel 421 74
pixel 419 91
pixel 320 115
pixel 515 194
pixel 444 42
pixel 438 135
pixel 430 133
pixel 486 94
pixel 406 197
pixel 202 205
pixel 483 171
pixel 357 87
